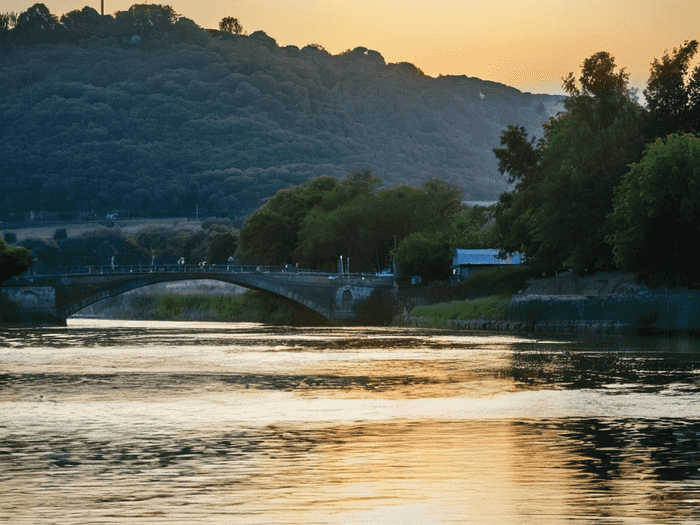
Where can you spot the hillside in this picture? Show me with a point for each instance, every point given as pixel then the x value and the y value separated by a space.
pixel 214 127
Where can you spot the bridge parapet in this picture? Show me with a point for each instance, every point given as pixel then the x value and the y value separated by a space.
pixel 59 293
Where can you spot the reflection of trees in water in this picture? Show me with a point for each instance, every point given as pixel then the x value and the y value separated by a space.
pixel 665 450
pixel 648 371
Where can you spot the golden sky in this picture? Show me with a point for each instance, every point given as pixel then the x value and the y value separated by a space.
pixel 529 44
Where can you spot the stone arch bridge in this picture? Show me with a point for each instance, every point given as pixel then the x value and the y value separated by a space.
pixel 54 295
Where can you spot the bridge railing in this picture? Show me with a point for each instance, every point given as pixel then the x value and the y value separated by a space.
pixel 174 269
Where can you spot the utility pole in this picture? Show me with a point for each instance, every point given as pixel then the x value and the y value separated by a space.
pixel 102 4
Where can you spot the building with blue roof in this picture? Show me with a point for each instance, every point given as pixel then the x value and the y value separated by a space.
pixel 466 263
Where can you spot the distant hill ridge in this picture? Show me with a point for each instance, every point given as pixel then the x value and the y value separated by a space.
pixel 215 127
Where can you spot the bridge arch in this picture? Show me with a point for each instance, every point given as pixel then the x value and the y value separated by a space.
pixel 68 308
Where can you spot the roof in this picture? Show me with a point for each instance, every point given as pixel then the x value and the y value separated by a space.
pixel 464 257
pixel 482 204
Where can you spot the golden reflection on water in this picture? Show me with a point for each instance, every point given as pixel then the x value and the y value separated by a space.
pixel 383 472
pixel 206 423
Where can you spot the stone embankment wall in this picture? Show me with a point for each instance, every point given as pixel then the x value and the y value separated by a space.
pixel 606 303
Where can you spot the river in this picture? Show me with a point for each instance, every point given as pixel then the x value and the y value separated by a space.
pixel 186 422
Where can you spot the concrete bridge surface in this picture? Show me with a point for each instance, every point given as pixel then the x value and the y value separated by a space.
pixel 55 294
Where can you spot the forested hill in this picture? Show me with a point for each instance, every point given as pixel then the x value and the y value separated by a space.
pixel 220 122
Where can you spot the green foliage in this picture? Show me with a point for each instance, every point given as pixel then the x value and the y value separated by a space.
pixel 518 156
pixel 13 261
pixel 493 307
pixel 656 215
pixel 426 255
pixel 557 213
pixel 501 282
pixel 270 234
pixel 473 229
pixel 221 243
pixel 214 243
pixel 317 222
pixel 598 78
pixel 360 183
pixel 220 307
pixel 366 227
pixel 252 306
pixel 673 93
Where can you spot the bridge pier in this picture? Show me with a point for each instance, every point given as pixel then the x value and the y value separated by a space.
pixel 29 305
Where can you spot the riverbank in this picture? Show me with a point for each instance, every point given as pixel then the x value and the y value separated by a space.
pixel 606 303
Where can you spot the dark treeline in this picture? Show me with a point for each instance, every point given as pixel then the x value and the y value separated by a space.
pixel 612 184
pixel 214 243
pixel 145 113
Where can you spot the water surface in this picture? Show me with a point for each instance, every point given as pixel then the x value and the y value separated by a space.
pixel 159 422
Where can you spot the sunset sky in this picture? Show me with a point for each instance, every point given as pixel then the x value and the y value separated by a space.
pixel 529 45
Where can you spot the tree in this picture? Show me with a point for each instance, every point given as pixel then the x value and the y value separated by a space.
pixel 220 243
pixel 13 261
pixel 472 229
pixel 518 156
pixel 366 228
pixel 360 182
pixel 37 25
pixel 270 234
pixel 656 216
pixel 557 213
pixel 425 255
pixel 231 25
pixel 146 20
pixel 7 24
pixel 598 78
pixel 7 21
pixel 673 97
pixel 82 24
pixel 188 31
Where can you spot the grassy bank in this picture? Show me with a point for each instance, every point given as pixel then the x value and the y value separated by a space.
pixel 491 307
pixel 483 296
pixel 251 306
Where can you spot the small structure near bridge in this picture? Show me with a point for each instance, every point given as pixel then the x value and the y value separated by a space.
pixel 466 263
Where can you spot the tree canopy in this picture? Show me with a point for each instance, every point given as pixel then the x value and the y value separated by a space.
pixel 231 25
pixel 13 260
pixel 317 222
pixel 656 215
pixel 557 212
pixel 673 93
